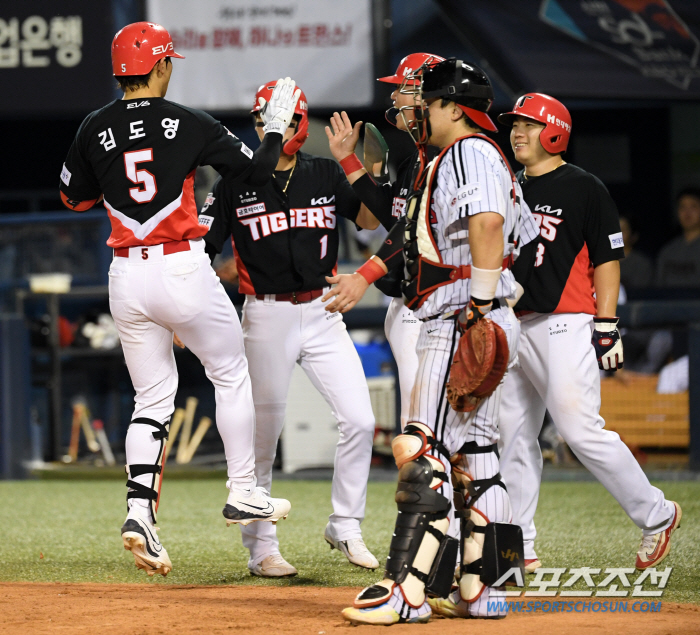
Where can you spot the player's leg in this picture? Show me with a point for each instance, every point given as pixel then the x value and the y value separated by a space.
pixel 402 329
pixel 331 361
pixel 189 299
pixel 573 400
pixel 481 499
pixel 148 353
pixel 520 421
pixel 420 552
pixel 271 333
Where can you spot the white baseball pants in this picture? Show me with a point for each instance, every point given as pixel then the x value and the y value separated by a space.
pixel 150 296
pixel 402 329
pixel 558 372
pixel 436 348
pixel 278 335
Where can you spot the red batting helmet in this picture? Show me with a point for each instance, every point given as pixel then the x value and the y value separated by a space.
pixel 408 65
pixel 138 46
pixel 302 108
pixel 547 110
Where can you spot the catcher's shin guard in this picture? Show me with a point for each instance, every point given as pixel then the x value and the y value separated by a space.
pixel 137 490
pixel 419 536
pixel 489 549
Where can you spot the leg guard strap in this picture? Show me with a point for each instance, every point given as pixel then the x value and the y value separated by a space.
pixel 162 428
pixel 471 447
pixel 479 487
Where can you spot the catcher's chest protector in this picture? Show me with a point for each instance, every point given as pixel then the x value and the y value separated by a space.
pixel 425 270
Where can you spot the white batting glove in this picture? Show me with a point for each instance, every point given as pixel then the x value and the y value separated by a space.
pixel 278 112
pixel 607 343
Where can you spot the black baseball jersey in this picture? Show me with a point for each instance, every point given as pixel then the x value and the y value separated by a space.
pixel 141 154
pixel 579 230
pixel 282 242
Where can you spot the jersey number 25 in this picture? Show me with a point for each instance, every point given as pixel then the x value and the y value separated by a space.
pixel 147 182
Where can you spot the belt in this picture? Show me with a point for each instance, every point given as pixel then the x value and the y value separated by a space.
pixel 168 248
pixel 452 315
pixel 295 297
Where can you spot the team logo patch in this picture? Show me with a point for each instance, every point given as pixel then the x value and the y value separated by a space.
pixel 65 175
pixel 208 202
pixel 469 193
pixel 206 221
pixel 246 150
pixel 616 240
pixel 258 208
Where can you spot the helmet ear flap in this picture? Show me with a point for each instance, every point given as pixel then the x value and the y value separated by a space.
pixel 302 134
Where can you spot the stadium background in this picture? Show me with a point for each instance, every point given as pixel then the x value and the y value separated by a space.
pixel 628 71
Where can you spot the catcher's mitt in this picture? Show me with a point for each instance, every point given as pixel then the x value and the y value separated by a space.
pixel 478 366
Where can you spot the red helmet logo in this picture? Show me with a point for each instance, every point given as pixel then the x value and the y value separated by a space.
pixel 138 46
pixel 547 110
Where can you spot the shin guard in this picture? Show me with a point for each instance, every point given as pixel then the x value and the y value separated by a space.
pixel 137 490
pixel 421 525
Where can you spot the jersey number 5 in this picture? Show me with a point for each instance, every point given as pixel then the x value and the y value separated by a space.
pixel 143 178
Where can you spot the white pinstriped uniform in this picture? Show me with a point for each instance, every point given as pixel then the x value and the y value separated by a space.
pixel 472 178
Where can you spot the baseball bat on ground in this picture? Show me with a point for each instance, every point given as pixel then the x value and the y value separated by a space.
pixel 103 441
pixel 89 433
pixel 197 437
pixel 190 407
pixel 175 424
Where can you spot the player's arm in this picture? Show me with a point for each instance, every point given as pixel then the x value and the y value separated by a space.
pixel 78 186
pixel 216 212
pixel 349 288
pixel 377 199
pixel 605 246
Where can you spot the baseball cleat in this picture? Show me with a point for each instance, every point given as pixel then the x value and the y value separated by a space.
pixel 656 547
pixel 140 537
pixel 532 564
pixel 446 607
pixel 382 615
pixel 255 504
pixel 274 566
pixel 353 549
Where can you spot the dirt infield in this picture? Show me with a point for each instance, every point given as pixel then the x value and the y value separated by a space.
pixel 154 609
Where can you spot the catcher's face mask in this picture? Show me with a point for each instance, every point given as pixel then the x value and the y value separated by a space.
pixel 411 106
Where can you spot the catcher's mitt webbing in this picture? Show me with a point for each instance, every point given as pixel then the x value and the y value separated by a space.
pixel 478 366
pixel 376 153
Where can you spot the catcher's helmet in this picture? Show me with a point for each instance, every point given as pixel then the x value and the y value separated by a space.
pixel 547 110
pixel 138 46
pixel 408 65
pixel 302 108
pixel 464 84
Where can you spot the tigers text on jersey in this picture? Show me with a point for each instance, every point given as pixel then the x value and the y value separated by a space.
pixel 283 242
pixel 141 154
pixel 579 230
pixel 472 178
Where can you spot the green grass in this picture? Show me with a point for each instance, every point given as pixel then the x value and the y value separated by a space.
pixel 75 525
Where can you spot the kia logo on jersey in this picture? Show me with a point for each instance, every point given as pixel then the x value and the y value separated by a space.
pixel 322 200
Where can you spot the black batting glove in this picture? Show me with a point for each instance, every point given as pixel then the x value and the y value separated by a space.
pixel 472 313
pixel 607 343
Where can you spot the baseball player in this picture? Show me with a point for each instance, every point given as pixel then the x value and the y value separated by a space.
pixel 464 226
pixel 570 302
pixel 388 203
pixel 139 156
pixel 285 241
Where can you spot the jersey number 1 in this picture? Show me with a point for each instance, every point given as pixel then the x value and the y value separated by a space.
pixel 143 178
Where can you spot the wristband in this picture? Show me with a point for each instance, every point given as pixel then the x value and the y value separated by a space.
pixel 351 164
pixel 371 271
pixel 605 324
pixel 484 283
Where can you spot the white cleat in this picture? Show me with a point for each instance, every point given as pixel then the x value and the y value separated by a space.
pixel 245 506
pixel 274 566
pixel 140 537
pixel 353 549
